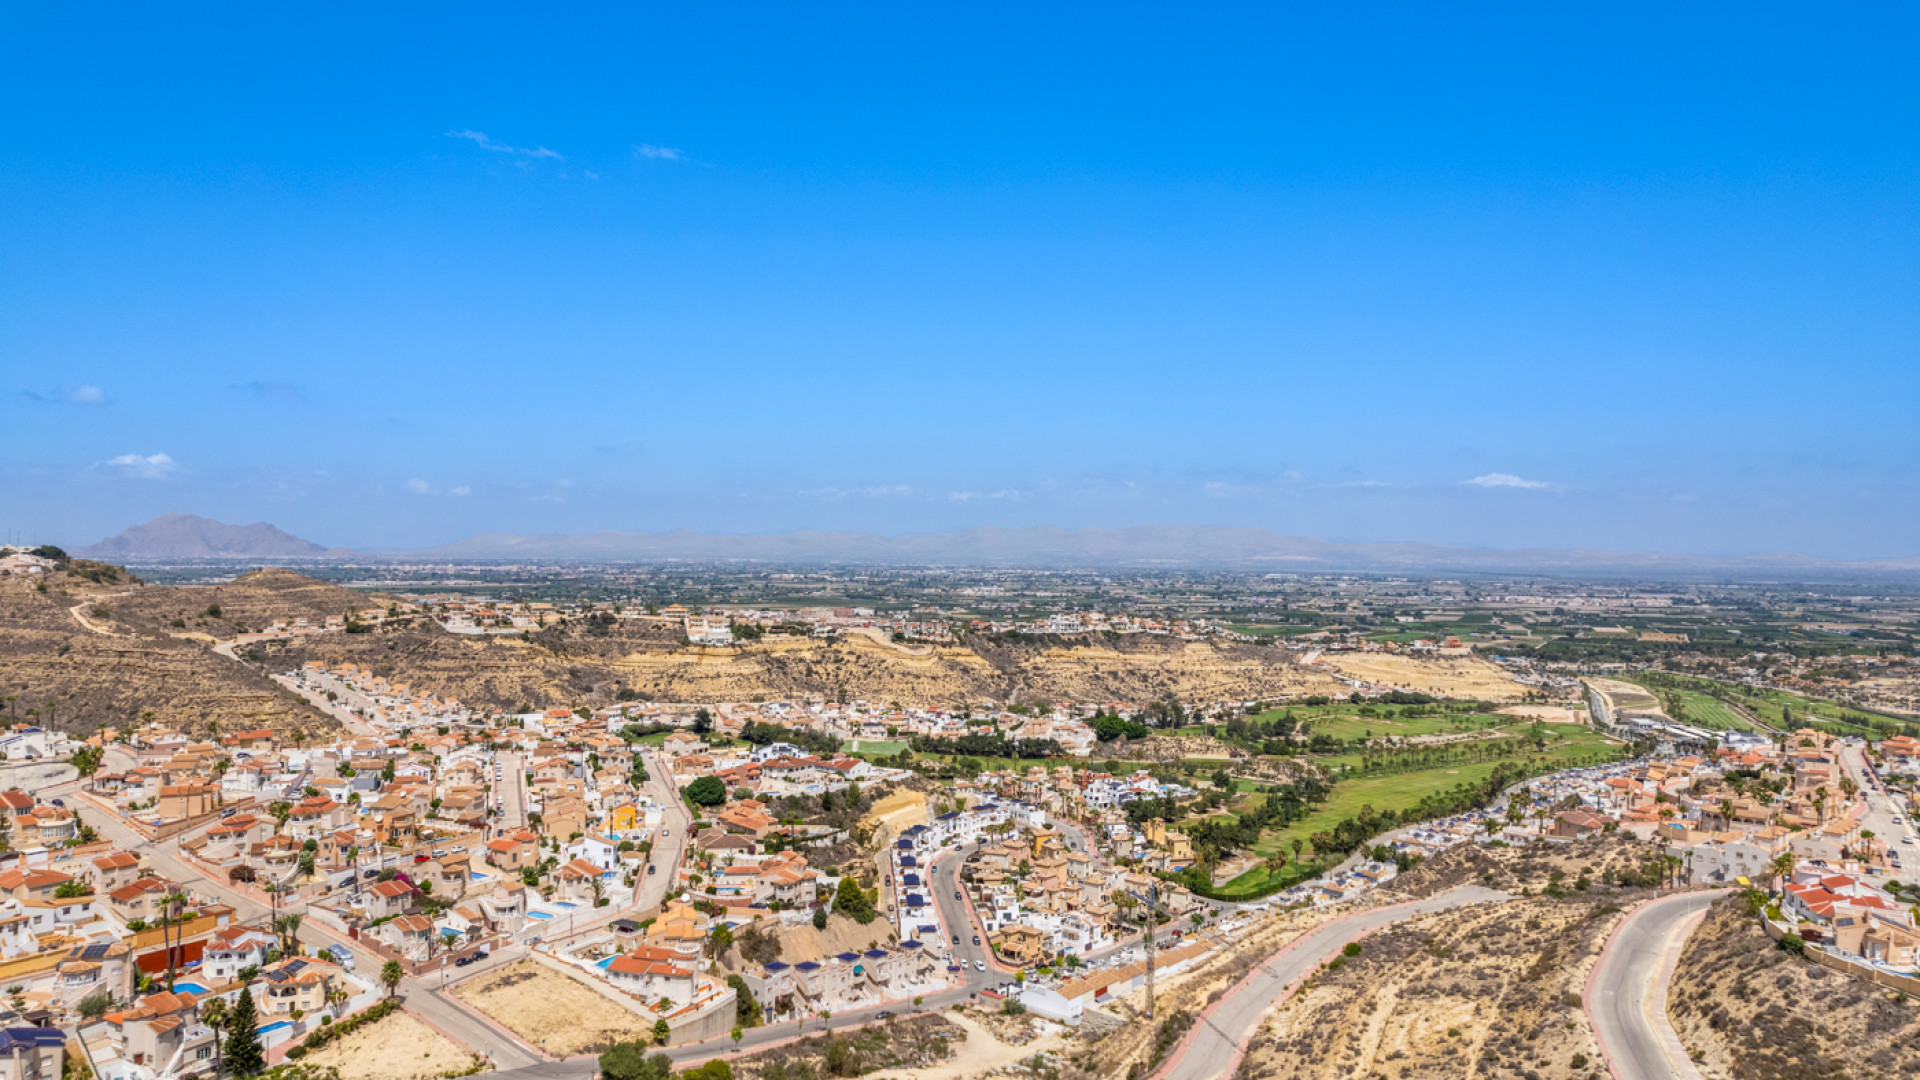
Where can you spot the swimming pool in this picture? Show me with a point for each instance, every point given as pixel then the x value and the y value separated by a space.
pixel 276 1026
pixel 602 965
pixel 564 904
pixel 538 915
pixel 184 987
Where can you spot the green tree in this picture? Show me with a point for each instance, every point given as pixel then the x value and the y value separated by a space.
pixel 661 1032
pixel 819 918
pixel 390 975
pixel 630 1061
pixel 852 901
pixel 706 791
pixel 242 1051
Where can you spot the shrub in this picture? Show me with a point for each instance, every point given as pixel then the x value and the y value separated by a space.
pixel 1352 949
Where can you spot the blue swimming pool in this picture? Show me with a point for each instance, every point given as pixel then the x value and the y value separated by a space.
pixel 276 1026
pixel 184 987
pixel 476 877
pixel 602 965
pixel 564 904
pixel 538 915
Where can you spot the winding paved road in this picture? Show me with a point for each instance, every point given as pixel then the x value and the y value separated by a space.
pixel 1635 1037
pixel 1220 1034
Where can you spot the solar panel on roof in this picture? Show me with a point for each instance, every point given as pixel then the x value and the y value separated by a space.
pixel 94 952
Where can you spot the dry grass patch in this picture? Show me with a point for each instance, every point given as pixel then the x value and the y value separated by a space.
pixel 398 1047
pixel 552 1011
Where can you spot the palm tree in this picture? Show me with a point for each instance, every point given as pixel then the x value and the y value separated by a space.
pixel 1781 866
pixel 170 906
pixel 288 927
pixel 214 1015
pixel 390 975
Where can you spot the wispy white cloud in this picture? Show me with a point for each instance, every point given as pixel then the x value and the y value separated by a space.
pixel 69 395
pixel 969 496
pixel 144 466
pixel 1363 484
pixel 419 487
pixel 463 491
pixel 480 139
pixel 1505 480
pixel 659 153
pixel 886 491
pixel 822 493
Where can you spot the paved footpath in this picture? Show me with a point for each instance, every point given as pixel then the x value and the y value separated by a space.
pixel 1220 1033
pixel 1626 994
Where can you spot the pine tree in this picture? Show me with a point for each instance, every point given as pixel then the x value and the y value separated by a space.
pixel 243 1055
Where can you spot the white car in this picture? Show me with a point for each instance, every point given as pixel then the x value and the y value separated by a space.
pixel 979 965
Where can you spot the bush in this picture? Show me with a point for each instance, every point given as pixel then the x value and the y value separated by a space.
pixel 326 1033
pixel 1014 1007
pixel 1794 943
pixel 1352 949
pixel 706 791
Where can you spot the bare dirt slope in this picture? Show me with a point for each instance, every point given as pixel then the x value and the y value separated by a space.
pixel 569 664
pixel 1482 991
pixel 1753 1012
pixel 94 649
pixel 1447 676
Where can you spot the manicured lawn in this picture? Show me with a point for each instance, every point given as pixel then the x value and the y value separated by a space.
pixel 877 746
pixel 1403 790
pixel 1360 727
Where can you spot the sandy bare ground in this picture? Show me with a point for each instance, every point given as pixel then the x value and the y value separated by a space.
pixel 1455 677
pixel 552 1011
pixel 1625 695
pixel 981 1053
pixel 396 1048
pixel 901 810
pixel 1547 714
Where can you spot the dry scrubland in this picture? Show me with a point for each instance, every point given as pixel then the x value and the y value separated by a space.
pixel 553 1012
pixel 1452 676
pixel 567 664
pixel 396 1048
pixel 1751 1012
pixel 107 650
pixel 108 668
pixel 1489 991
pixel 926 1046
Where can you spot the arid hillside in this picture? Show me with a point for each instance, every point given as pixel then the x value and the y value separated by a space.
pixel 1491 991
pixel 78 653
pixel 106 650
pixel 1752 1012
pixel 567 664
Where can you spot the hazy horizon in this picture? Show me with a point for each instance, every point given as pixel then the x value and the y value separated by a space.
pixel 1637 280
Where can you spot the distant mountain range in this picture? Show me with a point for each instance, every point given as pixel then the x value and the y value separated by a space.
pixel 173 537
pixel 184 536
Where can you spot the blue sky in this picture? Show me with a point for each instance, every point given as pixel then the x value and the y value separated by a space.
pixel 1639 279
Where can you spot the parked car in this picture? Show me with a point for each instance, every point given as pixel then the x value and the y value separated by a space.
pixel 976 939
pixel 956 939
pixel 649 868
pixel 883 1014
pixel 463 961
pixel 956 894
pixel 979 965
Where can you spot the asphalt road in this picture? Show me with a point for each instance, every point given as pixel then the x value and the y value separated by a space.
pixel 1620 996
pixel 1882 816
pixel 1220 1036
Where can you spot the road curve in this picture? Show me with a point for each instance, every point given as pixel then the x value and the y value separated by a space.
pixel 1635 1037
pixel 1220 1034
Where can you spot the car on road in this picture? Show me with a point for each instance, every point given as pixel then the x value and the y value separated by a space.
pixel 956 894
pixel 956 939
pixel 463 961
pixel 649 869
pixel 371 874
pixel 976 939
pixel 979 965
pixel 883 1014
pixel 59 802
pixel 1906 839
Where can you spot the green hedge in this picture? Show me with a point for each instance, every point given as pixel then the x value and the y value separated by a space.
pixel 341 1028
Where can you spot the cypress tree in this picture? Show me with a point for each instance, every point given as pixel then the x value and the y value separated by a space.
pixel 243 1054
